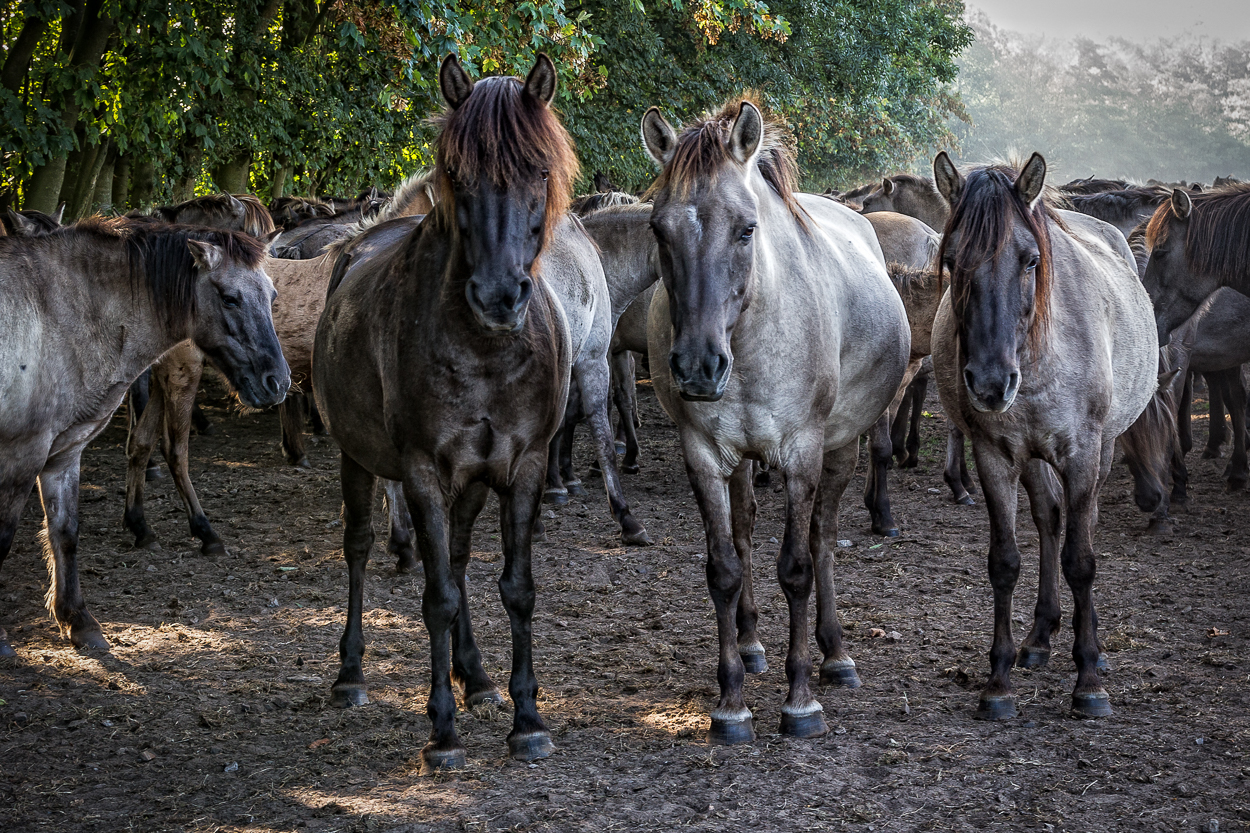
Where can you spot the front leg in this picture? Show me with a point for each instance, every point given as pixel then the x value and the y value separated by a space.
pixel 466 659
pixel 178 387
pixel 1046 504
pixel 58 490
pixel 956 471
pixel 13 497
pixel 529 738
pixel 633 533
pixel 358 485
pixel 1082 478
pixel 742 509
pixel 1000 484
pixel 731 720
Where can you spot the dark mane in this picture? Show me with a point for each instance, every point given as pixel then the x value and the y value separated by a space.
pixel 590 203
pixel 215 209
pixel 160 261
pixel 983 214
pixel 507 136
pixel 908 280
pixel 1217 241
pixel 1091 185
pixel 1112 205
pixel 924 183
pixel 703 149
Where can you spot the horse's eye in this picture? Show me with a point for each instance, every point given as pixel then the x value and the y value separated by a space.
pixel 545 172
pixel 229 301
pixel 1032 264
pixel 747 233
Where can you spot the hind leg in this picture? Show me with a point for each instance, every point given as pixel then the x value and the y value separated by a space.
pixel 178 389
pixel 1045 502
pixel 143 436
pixel 742 508
pixel 626 397
pixel 1217 432
pixel 1234 392
pixel 466 659
pixel 291 417
pixel 956 472
pixel 136 400
pixel 837 470
pixel 358 486
pixel 58 490
pixel 877 484
pixel 1184 415
pixel 12 501
pixel 568 474
pixel 400 543
pixel 919 389
pixel 633 533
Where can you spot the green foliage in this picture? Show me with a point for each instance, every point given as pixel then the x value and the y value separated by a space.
pixel 336 94
pixel 1175 109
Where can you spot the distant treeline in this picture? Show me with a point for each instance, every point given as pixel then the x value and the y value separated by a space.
pixel 1176 109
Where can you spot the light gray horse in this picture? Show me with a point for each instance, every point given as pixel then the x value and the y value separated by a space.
pixel 775 337
pixel 1044 352
pixel 125 293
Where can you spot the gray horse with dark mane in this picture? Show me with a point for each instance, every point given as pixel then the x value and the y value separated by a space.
pixel 776 337
pixel 443 361
pixel 109 297
pixel 1044 353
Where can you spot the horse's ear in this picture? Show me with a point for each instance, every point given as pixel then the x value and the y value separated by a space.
pixel 947 178
pixel 1182 205
pixel 207 256
pixel 747 134
pixel 1031 179
pixel 658 136
pixel 59 213
pixel 21 226
pixel 541 82
pixel 454 82
pixel 236 207
pixel 887 186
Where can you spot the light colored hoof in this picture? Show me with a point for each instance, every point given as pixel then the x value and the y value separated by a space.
pixel 346 695
pixel 839 672
pixel 809 723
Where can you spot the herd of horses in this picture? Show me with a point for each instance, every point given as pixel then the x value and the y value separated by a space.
pixel 451 336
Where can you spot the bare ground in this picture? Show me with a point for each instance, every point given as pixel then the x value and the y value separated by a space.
pixel 210 713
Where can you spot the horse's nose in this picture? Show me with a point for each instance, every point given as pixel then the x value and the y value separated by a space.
pixel 699 375
pixel 275 384
pixel 992 391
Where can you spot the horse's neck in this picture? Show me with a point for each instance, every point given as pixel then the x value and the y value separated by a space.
pixel 627 258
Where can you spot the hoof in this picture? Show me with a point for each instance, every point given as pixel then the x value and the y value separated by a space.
pixel 1032 657
pixel 754 662
pixel 91 640
pixel 620 447
pixel 731 732
pixel 346 695
pixel 634 534
pixel 627 469
pixel 911 462
pixel 576 489
pixel 405 559
pixel 810 725
pixel 1160 526
pixel 302 463
pixel 556 497
pixel 147 541
pixel 530 746
pixel 1103 665
pixel 996 707
pixel 1097 704
pixel 152 473
pixel 213 548
pixel 433 760
pixel 487 696
pixel 886 531
pixel 966 500
pixel 1236 484
pixel 840 672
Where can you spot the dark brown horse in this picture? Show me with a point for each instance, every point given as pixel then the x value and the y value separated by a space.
pixel 443 361
pixel 125 293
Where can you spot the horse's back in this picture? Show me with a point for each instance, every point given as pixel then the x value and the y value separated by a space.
pixel 904 239
pixel 571 268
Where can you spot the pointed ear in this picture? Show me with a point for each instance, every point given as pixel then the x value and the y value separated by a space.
pixel 1182 205
pixel 269 238
pixel 236 206
pixel 454 82
pixel 948 180
pixel 747 134
pixel 60 212
pixel 541 82
pixel 887 186
pixel 373 193
pixel 21 226
pixel 658 136
pixel 207 256
pixel 1031 179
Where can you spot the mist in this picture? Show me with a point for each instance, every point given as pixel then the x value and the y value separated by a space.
pixel 1172 109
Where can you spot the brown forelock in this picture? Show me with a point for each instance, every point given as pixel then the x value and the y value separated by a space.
pixel 703 149
pixel 160 260
pixel 1217 242
pixel 507 136
pixel 982 213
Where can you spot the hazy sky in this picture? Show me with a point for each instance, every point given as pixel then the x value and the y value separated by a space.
pixel 1227 20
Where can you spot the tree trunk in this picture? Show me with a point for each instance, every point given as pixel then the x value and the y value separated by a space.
pixel 143 184
pixel 80 185
pixel 277 187
pixel 121 184
pixel 102 200
pixel 44 186
pixel 231 177
pixel 18 59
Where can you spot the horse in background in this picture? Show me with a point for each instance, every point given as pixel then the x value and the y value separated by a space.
pixel 1029 290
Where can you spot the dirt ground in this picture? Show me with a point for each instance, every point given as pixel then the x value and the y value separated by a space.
pixel 210 713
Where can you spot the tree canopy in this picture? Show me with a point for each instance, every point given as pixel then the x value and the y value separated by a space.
pixel 120 103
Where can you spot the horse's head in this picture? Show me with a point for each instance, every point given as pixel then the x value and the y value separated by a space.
pixel 1174 286
pixel 881 199
pixel 704 218
pixel 997 252
pixel 233 321
pixel 505 168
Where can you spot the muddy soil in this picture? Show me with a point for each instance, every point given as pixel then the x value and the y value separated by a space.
pixel 211 714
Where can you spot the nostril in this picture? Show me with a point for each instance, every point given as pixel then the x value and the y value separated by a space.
pixel 526 288
pixel 722 365
pixel 969 380
pixel 470 290
pixel 1014 381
